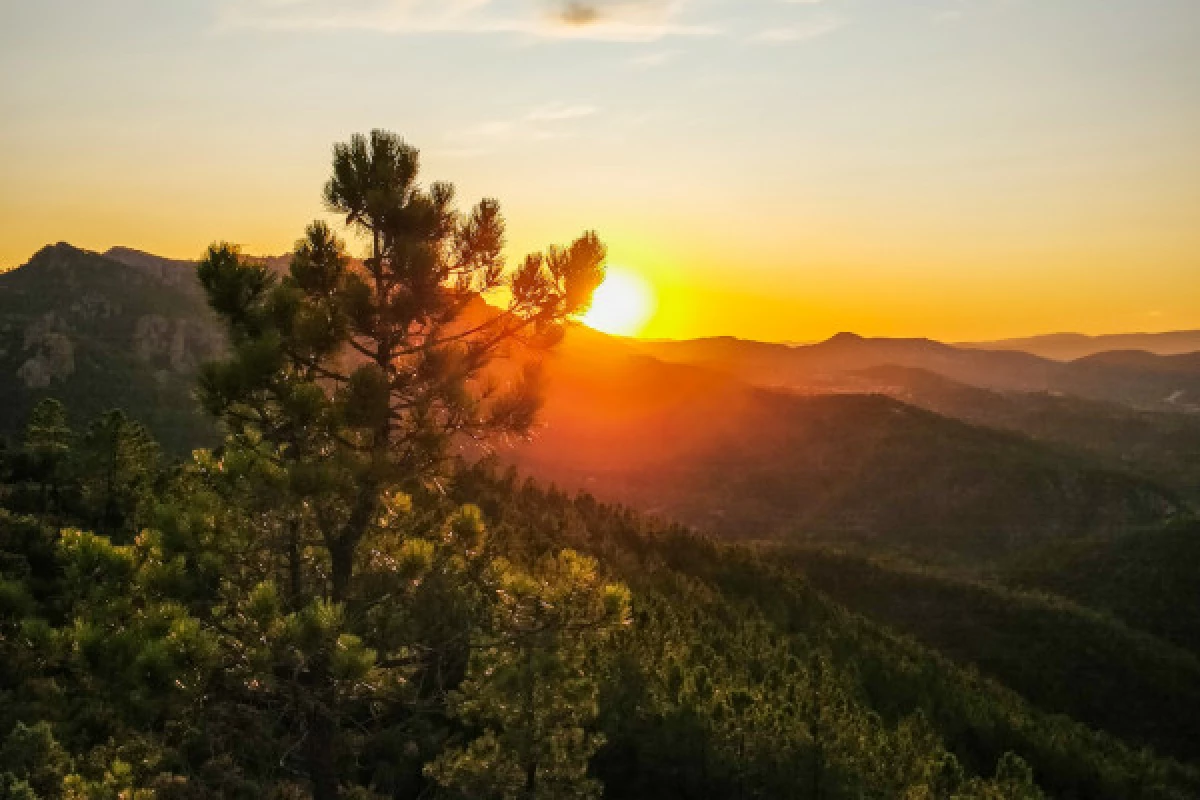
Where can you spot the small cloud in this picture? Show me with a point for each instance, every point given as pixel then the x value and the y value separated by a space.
pixel 651 60
pixel 539 124
pixel 800 33
pixel 557 113
pixel 492 130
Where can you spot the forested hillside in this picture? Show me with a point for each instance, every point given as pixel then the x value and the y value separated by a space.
pixel 125 663
pixel 1164 446
pixel 102 334
pixel 697 446
pixel 1060 655
pixel 1150 580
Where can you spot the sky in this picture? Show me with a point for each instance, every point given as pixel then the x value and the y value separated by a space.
pixel 779 170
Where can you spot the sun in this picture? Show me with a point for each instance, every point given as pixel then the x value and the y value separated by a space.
pixel 622 305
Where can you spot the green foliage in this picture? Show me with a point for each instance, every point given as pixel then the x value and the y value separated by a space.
pixel 197 658
pixel 531 690
pixel 1147 579
pixel 354 614
pixel 1060 656
pixel 46 448
pixel 120 458
pixel 32 756
pixel 713 688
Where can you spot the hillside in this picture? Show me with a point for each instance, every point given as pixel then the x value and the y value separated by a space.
pixel 700 447
pixel 735 676
pixel 1149 580
pixel 1161 445
pixel 103 333
pixel 822 366
pixel 1059 655
pixel 744 631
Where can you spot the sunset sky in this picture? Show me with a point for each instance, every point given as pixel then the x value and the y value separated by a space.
pixel 961 169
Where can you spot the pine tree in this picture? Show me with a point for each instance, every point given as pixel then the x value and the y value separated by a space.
pixel 47 448
pixel 119 458
pixel 349 386
pixel 362 375
pixel 530 689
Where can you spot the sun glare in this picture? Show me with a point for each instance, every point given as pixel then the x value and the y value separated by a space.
pixel 622 305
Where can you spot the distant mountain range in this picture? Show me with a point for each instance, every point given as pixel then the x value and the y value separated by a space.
pixel 1072 346
pixel 750 439
pixel 707 449
pixel 1162 445
pixel 1137 379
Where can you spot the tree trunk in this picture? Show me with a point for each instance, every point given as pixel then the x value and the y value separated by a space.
pixel 815 729
pixel 531 758
pixel 342 557
pixel 293 545
pixel 342 551
pixel 322 766
pixel 531 780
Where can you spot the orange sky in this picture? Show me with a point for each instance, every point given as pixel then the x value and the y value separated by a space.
pixel 961 169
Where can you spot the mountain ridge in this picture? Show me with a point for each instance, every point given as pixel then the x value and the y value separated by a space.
pixel 691 441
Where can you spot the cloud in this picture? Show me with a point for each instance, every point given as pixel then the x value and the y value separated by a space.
pixel 615 20
pixel 543 123
pixel 651 60
pixel 800 33
pixel 558 113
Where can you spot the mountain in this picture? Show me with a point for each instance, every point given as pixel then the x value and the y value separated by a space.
pixel 105 331
pixel 1161 445
pixel 1072 346
pixel 822 366
pixel 1147 382
pixel 701 447
pixel 694 444
pixel 1178 364
pixel 1137 379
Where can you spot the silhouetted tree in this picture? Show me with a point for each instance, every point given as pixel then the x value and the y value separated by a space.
pixel 371 369
pixel 356 379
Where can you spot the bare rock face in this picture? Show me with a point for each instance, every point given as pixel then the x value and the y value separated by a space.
pixel 181 343
pixel 93 306
pixel 151 337
pixel 51 354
